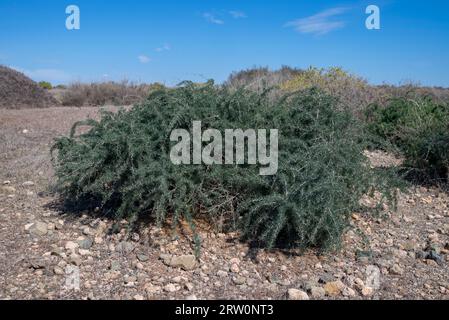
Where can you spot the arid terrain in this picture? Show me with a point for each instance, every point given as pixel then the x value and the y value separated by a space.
pixel 399 254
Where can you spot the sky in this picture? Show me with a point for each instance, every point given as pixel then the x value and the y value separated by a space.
pixel 174 40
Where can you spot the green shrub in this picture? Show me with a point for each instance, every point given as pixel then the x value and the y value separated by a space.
pixel 45 85
pixel 419 128
pixel 122 165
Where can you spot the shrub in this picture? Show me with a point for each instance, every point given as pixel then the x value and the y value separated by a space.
pixel 45 85
pixel 122 165
pixel 100 94
pixel 74 95
pixel 419 128
pixel 353 92
pixel 258 79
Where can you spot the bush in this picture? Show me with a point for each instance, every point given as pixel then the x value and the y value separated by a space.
pixel 353 92
pixel 45 85
pixel 419 128
pixel 122 165
pixel 100 94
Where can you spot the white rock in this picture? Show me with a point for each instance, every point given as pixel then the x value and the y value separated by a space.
pixel 28 184
pixel 38 229
pixel 171 288
pixel 72 246
pixel 295 294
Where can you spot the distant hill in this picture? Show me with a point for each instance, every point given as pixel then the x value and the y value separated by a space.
pixel 17 91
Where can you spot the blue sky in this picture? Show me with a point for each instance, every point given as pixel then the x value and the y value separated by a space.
pixel 173 40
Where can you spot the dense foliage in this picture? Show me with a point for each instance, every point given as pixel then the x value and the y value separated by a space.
pixel 122 164
pixel 419 129
pixel 45 85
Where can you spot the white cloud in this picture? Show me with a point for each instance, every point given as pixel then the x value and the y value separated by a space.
pixel 50 75
pixel 319 23
pixel 165 47
pixel 211 18
pixel 144 59
pixel 238 14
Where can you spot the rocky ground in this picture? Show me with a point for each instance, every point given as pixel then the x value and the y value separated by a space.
pixel 399 254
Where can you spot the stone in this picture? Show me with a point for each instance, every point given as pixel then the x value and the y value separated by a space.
pixel 125 247
pixel 222 274
pixel 348 292
pixel 239 280
pixel 295 294
pixel 142 257
pixel 139 297
pixel 37 264
pixel 367 291
pixel 171 288
pixel 7 190
pixel 396 270
pixel 71 246
pixel 58 270
pixel 28 184
pixel 86 243
pixel 87 231
pixel 38 229
pixel 152 289
pixel 186 262
pixel 334 288
pixel 234 268
pixel 317 292
pixel 75 259
pixel 28 226
pixel 84 252
pixel 115 265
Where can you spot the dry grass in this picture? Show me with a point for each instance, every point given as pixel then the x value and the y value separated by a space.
pixel 106 93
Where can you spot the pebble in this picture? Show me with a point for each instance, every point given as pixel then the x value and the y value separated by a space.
pixel 222 274
pixel 58 270
pixel 239 280
pixel 38 229
pixel 85 243
pixel 186 262
pixel 125 247
pixel 317 292
pixel 234 268
pixel 142 257
pixel 171 288
pixel 75 259
pixel 334 288
pixel 295 294
pixel 72 246
pixel 367 291
pixel 115 265
pixel 396 270
pixel 7 189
